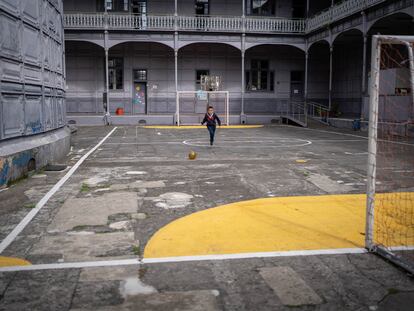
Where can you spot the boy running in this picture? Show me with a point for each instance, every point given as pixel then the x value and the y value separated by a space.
pixel 211 119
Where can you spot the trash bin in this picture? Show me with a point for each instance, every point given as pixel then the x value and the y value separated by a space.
pixel 356 124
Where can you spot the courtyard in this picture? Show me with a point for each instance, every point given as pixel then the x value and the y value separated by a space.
pixel 269 218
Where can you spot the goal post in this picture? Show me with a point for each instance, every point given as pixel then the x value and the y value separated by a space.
pixel 192 105
pixel 389 229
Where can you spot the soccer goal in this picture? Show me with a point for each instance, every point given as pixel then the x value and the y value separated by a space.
pixel 390 180
pixel 192 105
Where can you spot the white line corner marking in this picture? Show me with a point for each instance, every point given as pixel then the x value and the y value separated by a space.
pixel 26 220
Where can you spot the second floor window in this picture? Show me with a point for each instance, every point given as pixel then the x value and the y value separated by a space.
pixel 116 73
pixel 259 78
pixel 262 7
pixel 115 5
pixel 199 73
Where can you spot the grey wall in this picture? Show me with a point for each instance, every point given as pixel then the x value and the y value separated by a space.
pixel 31 67
pixel 85 75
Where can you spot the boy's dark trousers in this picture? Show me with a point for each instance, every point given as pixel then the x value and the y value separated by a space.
pixel 212 131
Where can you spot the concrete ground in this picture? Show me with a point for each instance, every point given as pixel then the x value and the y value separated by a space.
pixel 139 180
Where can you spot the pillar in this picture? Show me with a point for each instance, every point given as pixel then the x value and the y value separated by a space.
pixel 330 76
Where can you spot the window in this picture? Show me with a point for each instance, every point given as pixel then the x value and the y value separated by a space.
pixel 116 73
pixel 202 7
pixel 115 5
pixel 199 73
pixel 262 7
pixel 259 78
pixel 140 75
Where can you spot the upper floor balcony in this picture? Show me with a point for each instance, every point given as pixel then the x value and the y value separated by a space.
pixel 117 21
pixel 141 20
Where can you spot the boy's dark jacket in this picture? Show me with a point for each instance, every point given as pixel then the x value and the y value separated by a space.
pixel 211 120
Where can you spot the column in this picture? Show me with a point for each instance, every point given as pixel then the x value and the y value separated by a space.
pixel 306 75
pixel 305 105
pixel 364 73
pixel 364 62
pixel 107 112
pixel 177 112
pixel 175 15
pixel 243 74
pixel 330 76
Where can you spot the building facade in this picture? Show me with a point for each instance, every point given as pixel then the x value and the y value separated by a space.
pixel 32 86
pixel 134 55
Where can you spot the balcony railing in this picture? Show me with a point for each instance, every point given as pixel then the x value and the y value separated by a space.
pixel 337 12
pixel 183 23
pixel 217 23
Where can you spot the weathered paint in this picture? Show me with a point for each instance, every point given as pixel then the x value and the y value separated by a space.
pixel 21 159
pixel 4 171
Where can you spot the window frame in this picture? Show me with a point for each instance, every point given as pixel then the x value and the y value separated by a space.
pixel 198 81
pixel 116 68
pixel 269 77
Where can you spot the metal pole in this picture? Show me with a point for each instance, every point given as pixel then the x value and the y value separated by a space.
pixel 307 8
pixel 364 73
pixel 243 82
pixel 243 74
pixel 330 76
pixel 411 59
pixel 306 86
pixel 107 115
pixel 372 140
pixel 177 112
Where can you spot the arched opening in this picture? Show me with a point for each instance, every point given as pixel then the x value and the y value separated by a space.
pixel 141 78
pixel 394 89
pixel 214 59
pixel 318 73
pixel 274 75
pixel 348 49
pixel 85 77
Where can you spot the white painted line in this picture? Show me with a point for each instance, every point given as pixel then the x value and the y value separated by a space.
pixel 267 142
pixel 256 255
pixel 366 138
pixel 26 220
pixel 401 248
pixel 124 262
pixel 72 265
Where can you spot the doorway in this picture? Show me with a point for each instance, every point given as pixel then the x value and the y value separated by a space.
pixel 202 7
pixel 296 85
pixel 139 91
pixel 139 7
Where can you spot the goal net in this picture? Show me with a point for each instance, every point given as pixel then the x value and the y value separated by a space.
pixel 192 106
pixel 390 191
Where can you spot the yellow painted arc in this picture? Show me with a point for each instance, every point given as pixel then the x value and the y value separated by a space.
pixel 277 224
pixel 12 261
pixel 186 127
pixel 262 225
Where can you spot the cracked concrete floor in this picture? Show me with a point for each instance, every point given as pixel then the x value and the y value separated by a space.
pixel 140 180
